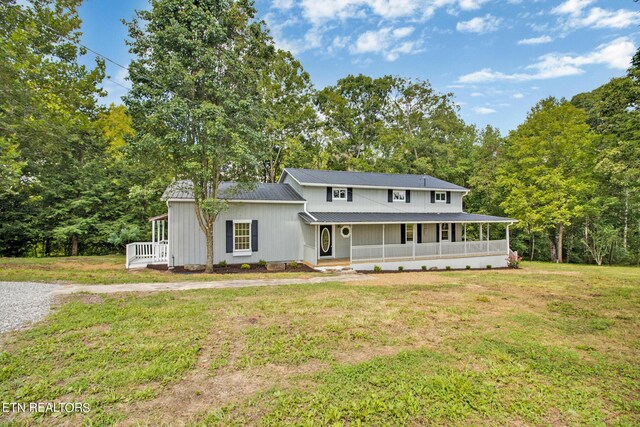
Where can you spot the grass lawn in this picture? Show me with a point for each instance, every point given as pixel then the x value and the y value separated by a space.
pixel 107 270
pixel 545 345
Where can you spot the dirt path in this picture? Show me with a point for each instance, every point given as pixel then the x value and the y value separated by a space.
pixel 222 284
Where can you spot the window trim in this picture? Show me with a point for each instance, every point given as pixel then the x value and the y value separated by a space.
pixel 406 233
pixel 339 189
pixel 404 196
pixel 444 197
pixel 241 252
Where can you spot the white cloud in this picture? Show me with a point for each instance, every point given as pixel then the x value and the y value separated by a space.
pixel 479 24
pixel 536 40
pixel 282 4
pixel 571 7
pixel 577 16
pixel 517 95
pixel 387 41
pixel 471 4
pixel 484 110
pixel 477 94
pixel 616 54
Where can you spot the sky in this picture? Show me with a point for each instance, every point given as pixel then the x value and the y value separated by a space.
pixel 497 57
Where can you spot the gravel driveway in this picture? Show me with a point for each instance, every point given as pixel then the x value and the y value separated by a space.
pixel 22 303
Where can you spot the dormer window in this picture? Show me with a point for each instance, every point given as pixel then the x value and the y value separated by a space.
pixel 339 194
pixel 399 196
pixel 441 197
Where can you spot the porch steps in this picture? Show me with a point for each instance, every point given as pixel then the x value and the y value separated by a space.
pixel 341 269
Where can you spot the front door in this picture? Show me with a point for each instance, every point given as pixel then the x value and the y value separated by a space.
pixel 326 239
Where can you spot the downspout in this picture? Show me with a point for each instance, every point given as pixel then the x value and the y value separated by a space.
pixel 307 212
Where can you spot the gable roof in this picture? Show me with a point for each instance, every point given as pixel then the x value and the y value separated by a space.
pixel 368 179
pixel 261 192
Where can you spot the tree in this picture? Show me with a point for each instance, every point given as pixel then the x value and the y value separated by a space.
pixel 195 100
pixel 546 174
pixel 600 241
pixel 292 123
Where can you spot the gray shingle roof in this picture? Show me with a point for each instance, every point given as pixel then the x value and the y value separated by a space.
pixel 261 191
pixel 370 179
pixel 399 217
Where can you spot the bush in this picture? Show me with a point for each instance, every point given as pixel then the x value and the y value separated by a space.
pixel 400 268
pixel 424 268
pixel 513 261
pixel 222 264
pixel 262 263
pixel 377 268
pixel 448 267
pixel 294 264
pixel 488 266
pixel 468 267
pixel 245 267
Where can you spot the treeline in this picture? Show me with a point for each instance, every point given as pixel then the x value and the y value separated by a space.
pixel 75 182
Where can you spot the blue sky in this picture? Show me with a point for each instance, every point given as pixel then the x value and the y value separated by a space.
pixel 498 57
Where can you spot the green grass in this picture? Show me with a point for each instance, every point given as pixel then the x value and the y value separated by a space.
pixel 546 345
pixel 106 270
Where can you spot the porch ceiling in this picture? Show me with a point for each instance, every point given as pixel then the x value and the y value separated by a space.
pixel 399 217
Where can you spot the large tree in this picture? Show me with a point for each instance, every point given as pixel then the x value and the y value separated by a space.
pixel 196 101
pixel 546 173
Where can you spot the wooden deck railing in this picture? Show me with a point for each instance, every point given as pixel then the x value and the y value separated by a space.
pixel 144 253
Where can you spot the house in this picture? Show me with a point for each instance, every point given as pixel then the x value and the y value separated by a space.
pixel 332 218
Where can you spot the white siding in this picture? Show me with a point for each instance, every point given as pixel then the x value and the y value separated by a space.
pixel 279 233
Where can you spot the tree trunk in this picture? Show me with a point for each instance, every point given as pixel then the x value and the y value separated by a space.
pixel 552 250
pixel 208 268
pixel 559 235
pixel 74 246
pixel 533 244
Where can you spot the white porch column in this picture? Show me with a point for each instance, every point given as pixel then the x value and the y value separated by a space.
pixel 480 232
pixel 415 230
pixel 508 248
pixel 465 237
pixel 351 244
pixel 439 230
pixel 382 242
pixel 153 231
pixel 488 229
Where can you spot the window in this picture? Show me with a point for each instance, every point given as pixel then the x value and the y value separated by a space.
pixel 444 230
pixel 339 194
pixel 242 237
pixel 441 196
pixel 399 195
pixel 409 233
pixel 345 231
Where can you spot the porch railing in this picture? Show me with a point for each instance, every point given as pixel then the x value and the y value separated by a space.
pixel 146 253
pixel 427 250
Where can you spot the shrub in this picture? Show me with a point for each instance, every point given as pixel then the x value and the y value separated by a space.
pixel 448 267
pixel 482 298
pixel 400 268
pixel 434 268
pixel 262 263
pixel 222 264
pixel 513 261
pixel 488 266
pixel 424 268
pixel 377 268
pixel 245 267
pixel 294 264
pixel 468 267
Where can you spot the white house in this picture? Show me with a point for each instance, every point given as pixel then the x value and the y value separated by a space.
pixel 352 219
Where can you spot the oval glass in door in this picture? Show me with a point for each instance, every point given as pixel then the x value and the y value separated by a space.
pixel 325 241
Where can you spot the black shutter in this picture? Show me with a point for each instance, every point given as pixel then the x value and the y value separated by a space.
pixel 419 233
pixel 349 194
pixel 229 237
pixel 437 232
pixel 329 194
pixel 254 235
pixel 449 197
pixel 433 196
pixel 453 232
pixel 390 196
pixel 408 198
pixel 403 233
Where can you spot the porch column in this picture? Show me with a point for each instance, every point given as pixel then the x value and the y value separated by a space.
pixel 439 230
pixel 153 231
pixel 382 242
pixel 508 248
pixel 351 244
pixel 415 230
pixel 465 237
pixel 488 229
pixel 480 232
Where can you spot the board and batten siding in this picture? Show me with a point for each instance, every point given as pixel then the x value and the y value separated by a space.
pixel 279 233
pixel 374 200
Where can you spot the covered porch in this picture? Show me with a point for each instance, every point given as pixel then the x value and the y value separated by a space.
pixel 446 240
pixel 142 254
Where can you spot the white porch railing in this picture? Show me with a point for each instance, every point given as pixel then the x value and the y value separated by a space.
pixel 144 253
pixel 428 250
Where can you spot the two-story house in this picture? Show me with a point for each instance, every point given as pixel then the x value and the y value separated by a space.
pixel 333 218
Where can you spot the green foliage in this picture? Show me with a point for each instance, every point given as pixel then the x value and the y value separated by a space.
pixel 448 267
pixel 222 264
pixel 400 268
pixel 377 268
pixel 489 267
pixel 468 267
pixel 245 267
pixel 424 268
pixel 262 263
pixel 293 265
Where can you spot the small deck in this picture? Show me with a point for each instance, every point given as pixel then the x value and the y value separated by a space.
pixel 143 254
